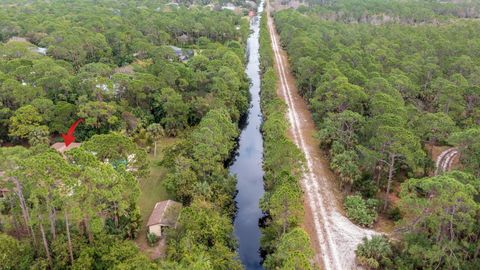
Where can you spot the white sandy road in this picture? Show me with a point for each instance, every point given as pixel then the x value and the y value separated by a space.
pixel 336 236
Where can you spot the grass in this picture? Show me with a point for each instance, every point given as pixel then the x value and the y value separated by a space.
pixel 152 190
pixel 151 187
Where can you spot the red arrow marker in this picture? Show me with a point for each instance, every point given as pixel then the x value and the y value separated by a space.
pixel 69 138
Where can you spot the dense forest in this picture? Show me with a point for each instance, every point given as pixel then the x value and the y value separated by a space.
pixel 381 11
pixel 161 86
pixel 135 71
pixel 114 67
pixel 383 95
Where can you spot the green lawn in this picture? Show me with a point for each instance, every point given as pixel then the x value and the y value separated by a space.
pixel 152 190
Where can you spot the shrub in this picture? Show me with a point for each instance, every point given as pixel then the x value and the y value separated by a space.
pixel 374 253
pixel 152 239
pixel 394 214
pixel 366 186
pixel 363 212
pixel 14 254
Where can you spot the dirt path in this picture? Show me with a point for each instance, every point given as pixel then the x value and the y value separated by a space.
pixel 445 160
pixel 334 237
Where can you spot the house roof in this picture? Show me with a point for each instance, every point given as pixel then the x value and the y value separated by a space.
pixel 124 70
pixel 18 39
pixel 60 146
pixel 165 213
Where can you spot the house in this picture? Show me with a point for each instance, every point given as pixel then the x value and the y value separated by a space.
pixel 229 6
pixel 182 54
pixel 184 38
pixel 17 39
pixel 127 70
pixel 40 50
pixel 164 214
pixel 60 146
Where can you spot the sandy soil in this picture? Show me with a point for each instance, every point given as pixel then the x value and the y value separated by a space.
pixel 446 160
pixel 155 252
pixel 334 236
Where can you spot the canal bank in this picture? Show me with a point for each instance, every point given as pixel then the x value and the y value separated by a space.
pixel 248 162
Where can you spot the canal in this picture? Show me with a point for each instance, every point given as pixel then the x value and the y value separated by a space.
pixel 248 162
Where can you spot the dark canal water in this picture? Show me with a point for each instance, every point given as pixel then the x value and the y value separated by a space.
pixel 248 162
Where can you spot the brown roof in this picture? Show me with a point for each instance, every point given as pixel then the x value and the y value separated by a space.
pixel 18 39
pixel 165 213
pixel 124 70
pixel 60 146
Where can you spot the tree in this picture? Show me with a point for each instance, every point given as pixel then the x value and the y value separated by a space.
pixel 382 103
pixel 362 212
pixel 408 89
pixel 285 206
pixel 63 113
pixel 53 78
pixel 26 122
pixel 14 254
pixel 472 96
pixel 10 160
pixel 181 181
pixel 39 135
pixel 341 127
pixel 440 217
pixel 111 253
pixel 44 107
pixel 156 132
pixel 345 164
pixel 468 143
pixel 379 85
pixel 214 138
pixel 293 252
pixel 104 189
pixel 394 143
pixel 118 150
pixel 307 71
pixel 175 111
pixel 449 98
pixel 99 115
pixel 434 127
pixel 201 227
pixel 49 178
pixel 337 96
pixel 374 253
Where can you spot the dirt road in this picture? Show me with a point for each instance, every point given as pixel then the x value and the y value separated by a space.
pixel 445 160
pixel 334 236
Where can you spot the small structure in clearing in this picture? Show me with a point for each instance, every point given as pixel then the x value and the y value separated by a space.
pixel 164 214
pixel 127 70
pixel 60 146
pixel 32 47
pixel 17 39
pixel 183 54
